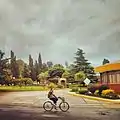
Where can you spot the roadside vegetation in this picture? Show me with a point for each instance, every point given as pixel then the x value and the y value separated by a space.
pixel 102 91
pixel 17 75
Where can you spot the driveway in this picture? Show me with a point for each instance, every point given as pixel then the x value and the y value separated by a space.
pixel 28 105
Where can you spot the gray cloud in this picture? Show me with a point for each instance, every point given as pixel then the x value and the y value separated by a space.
pixel 57 27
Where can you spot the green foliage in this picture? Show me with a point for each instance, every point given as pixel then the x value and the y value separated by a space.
pixel 44 67
pixel 43 76
pixel 26 72
pixel 40 62
pixel 22 81
pixel 26 81
pixel 92 88
pixel 80 76
pixel 52 85
pixel 14 66
pixel 32 69
pixel 60 86
pixel 66 75
pixel 20 66
pixel 82 64
pixel 105 61
pixel 75 89
pixel 56 70
pixel 22 88
pixel 102 87
pixel 96 93
pixel 82 91
pixel 36 67
pixel 3 68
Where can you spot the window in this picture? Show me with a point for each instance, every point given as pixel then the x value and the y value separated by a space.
pixel 104 78
pixel 118 77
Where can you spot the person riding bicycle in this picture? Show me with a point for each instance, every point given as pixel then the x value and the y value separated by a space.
pixel 52 97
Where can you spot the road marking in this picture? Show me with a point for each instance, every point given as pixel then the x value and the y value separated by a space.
pixel 53 116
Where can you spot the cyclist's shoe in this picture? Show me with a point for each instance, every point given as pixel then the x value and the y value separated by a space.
pixel 55 108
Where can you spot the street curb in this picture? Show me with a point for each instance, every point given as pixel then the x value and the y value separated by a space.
pixel 95 98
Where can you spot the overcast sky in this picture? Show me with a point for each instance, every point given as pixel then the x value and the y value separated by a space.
pixel 56 28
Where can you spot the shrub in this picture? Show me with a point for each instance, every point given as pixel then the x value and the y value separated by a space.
pixel 106 92
pixel 102 87
pixel 96 93
pixel 60 86
pixel 93 88
pixel 73 86
pixel 80 76
pixel 51 85
pixel 109 94
pixel 27 81
pixel 82 91
pixel 75 89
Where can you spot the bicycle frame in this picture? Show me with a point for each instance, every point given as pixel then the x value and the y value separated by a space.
pixel 62 98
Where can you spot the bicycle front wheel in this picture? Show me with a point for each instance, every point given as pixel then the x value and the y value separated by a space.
pixel 48 106
pixel 64 106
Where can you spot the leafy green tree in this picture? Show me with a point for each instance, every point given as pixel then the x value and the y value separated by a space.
pixel 69 76
pixel 4 71
pixel 66 74
pixel 82 64
pixel 80 76
pixel 58 66
pixel 42 77
pixel 26 81
pixel 56 70
pixel 105 61
pixel 44 67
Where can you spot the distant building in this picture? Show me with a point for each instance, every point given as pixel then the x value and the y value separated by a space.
pixel 110 75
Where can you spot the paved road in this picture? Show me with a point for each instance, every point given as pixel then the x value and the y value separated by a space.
pixel 28 106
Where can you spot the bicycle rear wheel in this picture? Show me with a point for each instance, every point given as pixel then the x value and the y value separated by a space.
pixel 48 106
pixel 64 106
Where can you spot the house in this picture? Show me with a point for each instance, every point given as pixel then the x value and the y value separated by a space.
pixel 110 75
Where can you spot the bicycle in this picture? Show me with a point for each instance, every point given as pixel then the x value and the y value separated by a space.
pixel 63 106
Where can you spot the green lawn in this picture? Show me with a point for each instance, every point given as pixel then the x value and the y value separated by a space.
pixel 23 88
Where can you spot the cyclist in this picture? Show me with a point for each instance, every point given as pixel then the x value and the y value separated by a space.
pixel 52 97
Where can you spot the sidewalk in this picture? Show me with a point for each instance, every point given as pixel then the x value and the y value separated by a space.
pixel 96 98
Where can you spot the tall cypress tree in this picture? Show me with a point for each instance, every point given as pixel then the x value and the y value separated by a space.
pixel 40 61
pixel 37 69
pixel 32 69
pixel 30 62
pixel 26 72
pixel 14 66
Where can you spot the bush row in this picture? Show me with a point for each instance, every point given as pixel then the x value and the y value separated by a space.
pixel 97 90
